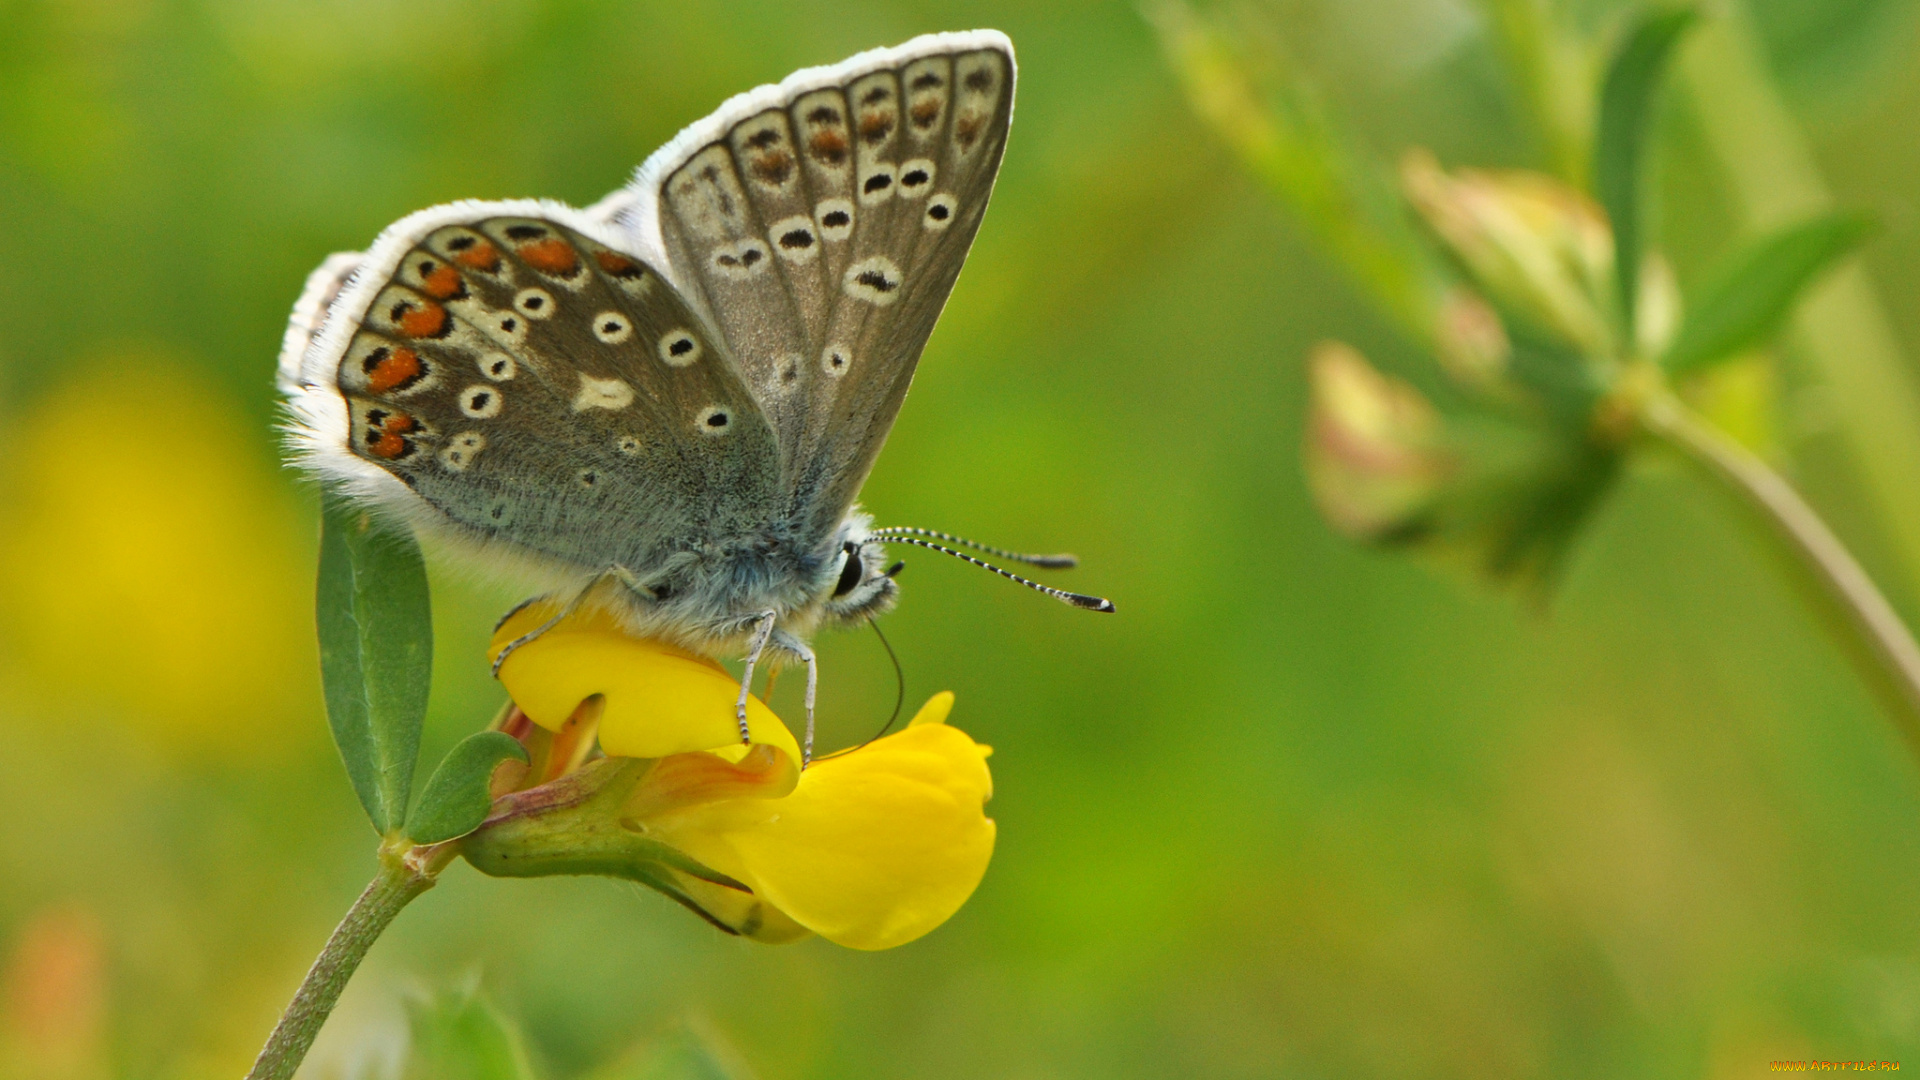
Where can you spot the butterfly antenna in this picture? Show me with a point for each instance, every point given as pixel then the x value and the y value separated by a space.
pixel 1045 562
pixel 1079 600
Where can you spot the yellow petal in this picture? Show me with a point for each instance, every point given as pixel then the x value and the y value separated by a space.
pixel 871 850
pixel 743 913
pixel 934 711
pixel 660 700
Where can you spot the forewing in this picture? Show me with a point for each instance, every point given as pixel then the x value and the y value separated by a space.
pixel 539 387
pixel 821 223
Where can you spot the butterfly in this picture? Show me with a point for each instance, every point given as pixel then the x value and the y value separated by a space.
pixel 668 401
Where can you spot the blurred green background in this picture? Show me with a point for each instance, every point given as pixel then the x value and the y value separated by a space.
pixel 1298 810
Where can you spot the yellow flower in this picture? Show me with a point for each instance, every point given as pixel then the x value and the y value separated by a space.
pixel 870 848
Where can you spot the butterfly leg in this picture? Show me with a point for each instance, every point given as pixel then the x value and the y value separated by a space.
pixel 799 648
pixel 616 571
pixel 757 644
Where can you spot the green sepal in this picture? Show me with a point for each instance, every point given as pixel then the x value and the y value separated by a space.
pixel 460 1035
pixel 1751 295
pixel 575 825
pixel 456 798
pixel 1620 136
pixel 376 653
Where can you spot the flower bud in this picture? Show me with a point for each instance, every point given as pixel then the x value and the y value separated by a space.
pixel 1372 455
pixel 1471 342
pixel 1538 249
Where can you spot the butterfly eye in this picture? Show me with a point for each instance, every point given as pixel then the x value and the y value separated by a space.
pixel 851 571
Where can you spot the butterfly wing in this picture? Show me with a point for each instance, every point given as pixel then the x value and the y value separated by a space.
pixel 510 367
pixel 820 224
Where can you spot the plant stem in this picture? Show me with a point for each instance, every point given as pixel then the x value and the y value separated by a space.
pixel 1883 642
pixel 404 874
pixel 1842 329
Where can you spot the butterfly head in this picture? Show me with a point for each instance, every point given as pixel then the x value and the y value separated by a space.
pixel 862 582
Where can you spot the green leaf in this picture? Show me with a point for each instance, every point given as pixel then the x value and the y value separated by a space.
pixel 1626 106
pixel 1752 294
pixel 461 1036
pixel 376 654
pixel 456 799
pixel 685 1052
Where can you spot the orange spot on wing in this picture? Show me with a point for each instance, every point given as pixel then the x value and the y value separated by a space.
pixel 968 129
pixel 616 265
pixel 398 366
pixel 829 146
pixel 442 284
pixel 481 256
pixel 551 256
pixel 874 126
pixel 925 112
pixel 774 168
pixel 392 442
pixel 429 320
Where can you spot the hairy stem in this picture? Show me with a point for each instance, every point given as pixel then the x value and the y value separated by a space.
pixel 1881 641
pixel 404 874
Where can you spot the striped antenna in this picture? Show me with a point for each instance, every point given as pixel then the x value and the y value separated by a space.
pixel 1079 600
pixel 1045 562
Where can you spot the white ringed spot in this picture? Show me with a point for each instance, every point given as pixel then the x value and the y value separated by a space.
pixel 628 444
pixel 742 260
pixel 498 366
pixel 509 325
pixel 533 303
pixel 595 393
pixel 714 420
pixel 940 211
pixel 612 327
pixel 875 279
pixel 795 240
pixel 916 178
pixel 461 450
pixel 481 402
pixel 876 183
pixel 587 478
pixel 678 348
pixel 835 217
pixel 835 359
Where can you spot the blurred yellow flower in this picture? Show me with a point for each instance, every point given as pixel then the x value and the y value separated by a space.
pixel 870 848
pixel 155 573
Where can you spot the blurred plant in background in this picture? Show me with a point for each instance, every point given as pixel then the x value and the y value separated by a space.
pixel 1316 811
pixel 1556 322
